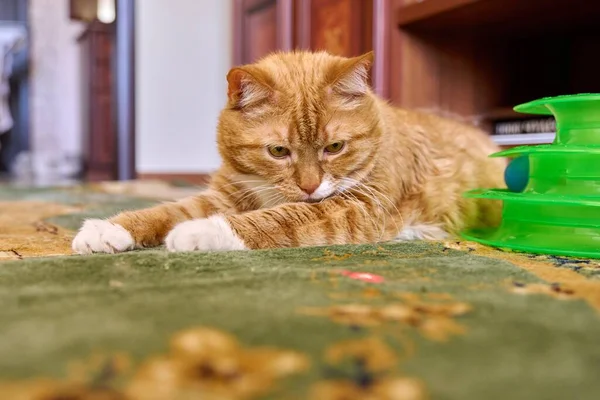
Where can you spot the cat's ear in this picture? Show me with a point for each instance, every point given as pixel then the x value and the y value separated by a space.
pixel 248 86
pixel 351 77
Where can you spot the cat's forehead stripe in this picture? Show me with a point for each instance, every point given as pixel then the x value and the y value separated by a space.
pixel 305 121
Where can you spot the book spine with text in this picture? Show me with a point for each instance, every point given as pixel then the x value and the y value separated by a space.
pixel 525 126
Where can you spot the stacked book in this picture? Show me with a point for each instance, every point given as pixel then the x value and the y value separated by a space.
pixel 521 131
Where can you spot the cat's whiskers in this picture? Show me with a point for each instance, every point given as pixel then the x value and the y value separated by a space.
pixel 252 191
pixel 234 182
pixel 390 202
pixel 359 204
pixel 380 207
pixel 375 195
pixel 271 195
pixel 274 200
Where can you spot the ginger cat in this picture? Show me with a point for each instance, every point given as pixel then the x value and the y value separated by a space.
pixel 312 157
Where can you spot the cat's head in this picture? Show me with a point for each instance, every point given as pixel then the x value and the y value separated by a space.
pixel 306 124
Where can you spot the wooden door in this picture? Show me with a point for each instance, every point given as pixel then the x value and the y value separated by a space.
pixel 99 129
pixel 347 28
pixel 341 27
pixel 261 27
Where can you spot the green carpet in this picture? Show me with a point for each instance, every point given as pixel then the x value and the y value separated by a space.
pixel 433 320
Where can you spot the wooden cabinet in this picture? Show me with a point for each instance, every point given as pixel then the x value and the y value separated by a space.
pixel 475 59
pixel 341 27
pixel 99 133
pixel 261 27
pixel 479 58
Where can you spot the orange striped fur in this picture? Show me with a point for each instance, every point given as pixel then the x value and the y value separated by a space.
pixel 399 173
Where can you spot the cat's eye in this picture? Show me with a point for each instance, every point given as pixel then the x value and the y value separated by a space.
pixel 278 151
pixel 335 147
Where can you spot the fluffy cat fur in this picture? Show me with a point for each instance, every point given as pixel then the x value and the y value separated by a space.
pixel 399 175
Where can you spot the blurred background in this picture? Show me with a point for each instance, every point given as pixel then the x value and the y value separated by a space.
pixel 131 89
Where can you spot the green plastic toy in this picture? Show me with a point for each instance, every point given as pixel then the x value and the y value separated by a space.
pixel 558 212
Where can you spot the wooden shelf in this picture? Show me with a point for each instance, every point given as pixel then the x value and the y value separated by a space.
pixel 478 58
pixel 499 16
pixel 521 140
pixel 501 113
pixel 415 12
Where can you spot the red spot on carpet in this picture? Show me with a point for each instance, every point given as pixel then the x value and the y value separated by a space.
pixel 363 276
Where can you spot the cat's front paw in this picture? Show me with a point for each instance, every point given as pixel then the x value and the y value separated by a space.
pixel 100 236
pixel 207 234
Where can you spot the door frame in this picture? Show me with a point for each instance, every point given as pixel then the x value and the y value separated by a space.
pixel 124 89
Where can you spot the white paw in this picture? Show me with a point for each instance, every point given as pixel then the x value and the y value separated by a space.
pixel 207 234
pixel 100 236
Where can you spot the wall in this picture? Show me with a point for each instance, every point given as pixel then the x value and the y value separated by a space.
pixel 55 77
pixel 183 53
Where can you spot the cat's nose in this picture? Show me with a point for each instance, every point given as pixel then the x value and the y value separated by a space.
pixel 309 188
